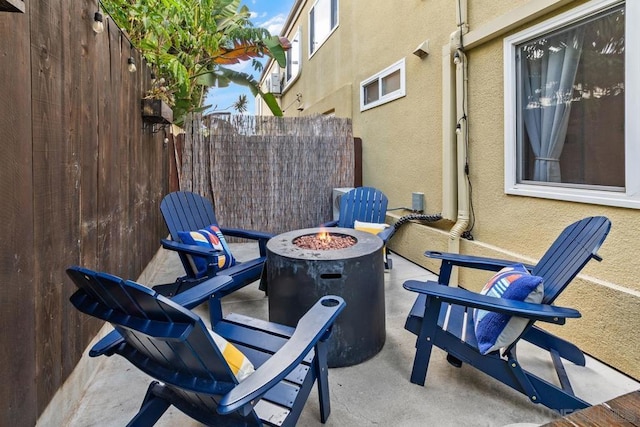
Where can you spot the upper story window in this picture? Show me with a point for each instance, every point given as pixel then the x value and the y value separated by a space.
pixel 570 107
pixel 323 20
pixel 385 86
pixel 293 58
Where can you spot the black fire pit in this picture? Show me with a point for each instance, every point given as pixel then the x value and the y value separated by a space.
pixel 297 277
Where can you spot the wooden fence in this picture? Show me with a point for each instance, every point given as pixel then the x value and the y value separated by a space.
pixel 81 179
pixel 268 173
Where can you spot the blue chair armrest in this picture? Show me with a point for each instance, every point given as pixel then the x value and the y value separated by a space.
pixel 387 234
pixel 211 255
pixel 107 345
pixel 191 249
pixel 459 296
pixel 198 294
pixel 246 234
pixel 481 263
pixel 189 299
pixel 311 328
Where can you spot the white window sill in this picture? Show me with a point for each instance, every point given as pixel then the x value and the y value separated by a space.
pixel 605 198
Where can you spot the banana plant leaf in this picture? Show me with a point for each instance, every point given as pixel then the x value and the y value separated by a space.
pixel 222 76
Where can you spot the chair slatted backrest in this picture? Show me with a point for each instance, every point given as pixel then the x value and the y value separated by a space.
pixel 186 211
pixel 570 252
pixel 162 338
pixel 364 204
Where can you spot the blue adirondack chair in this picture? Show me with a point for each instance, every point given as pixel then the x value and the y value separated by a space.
pixel 570 252
pixel 172 344
pixel 185 211
pixel 365 204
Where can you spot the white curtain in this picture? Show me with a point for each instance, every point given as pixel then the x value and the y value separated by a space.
pixel 548 85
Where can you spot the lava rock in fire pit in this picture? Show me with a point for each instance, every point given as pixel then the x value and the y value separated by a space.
pixel 324 241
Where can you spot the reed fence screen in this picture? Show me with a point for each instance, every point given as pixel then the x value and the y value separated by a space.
pixel 272 174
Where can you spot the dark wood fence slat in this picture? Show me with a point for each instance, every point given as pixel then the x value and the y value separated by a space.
pixel 17 295
pixel 51 193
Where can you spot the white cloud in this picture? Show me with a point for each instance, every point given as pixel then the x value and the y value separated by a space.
pixel 257 16
pixel 242 66
pixel 274 24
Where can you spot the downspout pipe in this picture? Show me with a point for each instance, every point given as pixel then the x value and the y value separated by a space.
pixel 460 130
pixel 458 133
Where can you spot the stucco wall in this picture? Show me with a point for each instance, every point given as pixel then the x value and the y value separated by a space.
pixel 606 293
pixel 403 152
pixel 402 140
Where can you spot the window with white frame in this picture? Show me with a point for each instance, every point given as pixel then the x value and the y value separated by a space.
pixel 570 104
pixel 293 58
pixel 323 20
pixel 385 86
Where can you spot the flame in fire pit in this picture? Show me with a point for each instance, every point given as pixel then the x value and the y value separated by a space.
pixel 323 235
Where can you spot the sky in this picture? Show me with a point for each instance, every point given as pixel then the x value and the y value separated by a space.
pixel 269 14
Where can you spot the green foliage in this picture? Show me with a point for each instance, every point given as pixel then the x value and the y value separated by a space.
pixel 188 42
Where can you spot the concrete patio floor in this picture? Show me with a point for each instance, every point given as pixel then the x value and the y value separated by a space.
pixel 375 392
